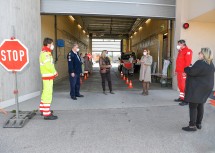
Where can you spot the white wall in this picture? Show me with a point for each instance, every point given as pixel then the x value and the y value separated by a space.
pixel 24 17
pixel 200 35
pixel 199 7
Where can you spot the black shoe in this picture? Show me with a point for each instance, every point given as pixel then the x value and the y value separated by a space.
pixel 143 93
pixel 80 96
pixel 178 100
pixel 199 126
pixel 147 92
pixel 42 112
pixel 51 117
pixel 189 128
pixel 74 98
pixel 111 92
pixel 183 103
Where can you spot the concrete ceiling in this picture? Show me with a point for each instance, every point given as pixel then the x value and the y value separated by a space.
pixel 110 27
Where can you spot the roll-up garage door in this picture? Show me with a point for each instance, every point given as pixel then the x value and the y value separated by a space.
pixel 136 8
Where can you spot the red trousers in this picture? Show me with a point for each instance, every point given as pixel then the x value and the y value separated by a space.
pixel 181 84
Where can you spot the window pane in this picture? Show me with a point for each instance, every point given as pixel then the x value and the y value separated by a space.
pixel 113 45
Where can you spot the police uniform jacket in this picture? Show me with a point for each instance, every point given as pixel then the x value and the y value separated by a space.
pixel 74 63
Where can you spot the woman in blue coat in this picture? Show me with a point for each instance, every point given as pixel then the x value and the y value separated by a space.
pixel 199 85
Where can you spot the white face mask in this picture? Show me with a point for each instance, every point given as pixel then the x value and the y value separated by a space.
pixel 52 47
pixel 78 50
pixel 145 53
pixel 178 47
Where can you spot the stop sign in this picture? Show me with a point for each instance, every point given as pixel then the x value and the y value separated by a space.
pixel 13 55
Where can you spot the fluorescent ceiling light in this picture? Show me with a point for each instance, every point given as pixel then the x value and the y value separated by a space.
pixel 71 17
pixel 147 21
pixel 79 25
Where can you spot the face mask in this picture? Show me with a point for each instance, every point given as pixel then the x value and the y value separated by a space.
pixel 144 53
pixel 52 47
pixel 178 47
pixel 78 50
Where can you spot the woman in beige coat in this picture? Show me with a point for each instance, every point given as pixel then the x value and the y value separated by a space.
pixel 145 71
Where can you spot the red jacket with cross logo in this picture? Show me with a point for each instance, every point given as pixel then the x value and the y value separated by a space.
pixel 184 59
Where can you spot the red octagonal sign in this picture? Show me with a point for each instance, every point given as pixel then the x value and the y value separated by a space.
pixel 13 55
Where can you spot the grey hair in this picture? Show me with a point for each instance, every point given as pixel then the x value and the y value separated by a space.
pixel 207 54
pixel 75 44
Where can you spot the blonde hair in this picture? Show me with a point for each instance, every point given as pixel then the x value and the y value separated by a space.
pixel 148 51
pixel 103 54
pixel 207 55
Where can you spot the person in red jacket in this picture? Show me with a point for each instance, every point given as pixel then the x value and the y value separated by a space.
pixel 183 60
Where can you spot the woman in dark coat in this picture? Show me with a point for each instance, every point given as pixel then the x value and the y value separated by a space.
pixel 199 85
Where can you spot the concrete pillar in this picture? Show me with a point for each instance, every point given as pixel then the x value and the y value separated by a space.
pixel 128 45
pixel 90 44
pixel 160 52
pixel 124 45
pixel 169 38
pixel 21 18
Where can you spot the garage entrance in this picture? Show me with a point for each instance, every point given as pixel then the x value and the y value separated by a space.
pixel 112 45
pixel 121 36
pixel 121 27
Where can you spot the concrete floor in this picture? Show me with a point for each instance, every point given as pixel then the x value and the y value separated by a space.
pixel 126 122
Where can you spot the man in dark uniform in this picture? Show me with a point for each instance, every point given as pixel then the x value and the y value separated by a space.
pixel 74 66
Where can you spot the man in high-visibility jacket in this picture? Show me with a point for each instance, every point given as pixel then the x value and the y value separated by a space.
pixel 184 59
pixel 48 73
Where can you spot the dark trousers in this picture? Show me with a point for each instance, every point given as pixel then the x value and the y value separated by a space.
pixel 196 113
pixel 106 76
pixel 74 85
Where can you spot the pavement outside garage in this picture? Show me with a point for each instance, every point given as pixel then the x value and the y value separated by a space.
pixel 126 122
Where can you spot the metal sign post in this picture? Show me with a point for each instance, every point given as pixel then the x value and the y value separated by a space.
pixel 16 95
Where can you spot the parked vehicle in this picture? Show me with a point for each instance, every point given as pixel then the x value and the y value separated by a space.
pixel 125 58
